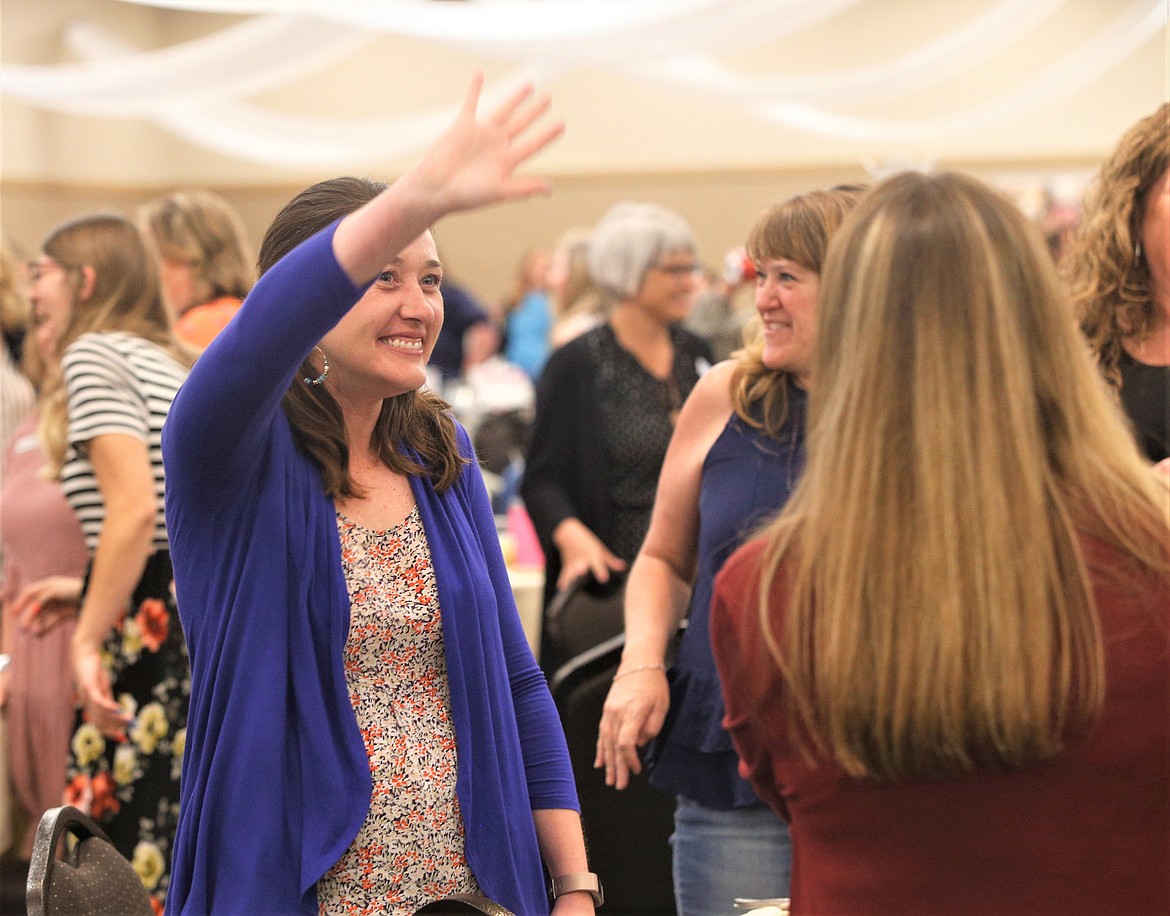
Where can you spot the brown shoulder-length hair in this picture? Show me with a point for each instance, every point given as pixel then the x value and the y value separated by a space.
pixel 1110 281
pixel 418 420
pixel 798 229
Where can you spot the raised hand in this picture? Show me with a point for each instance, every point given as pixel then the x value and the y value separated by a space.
pixel 474 162
pixel 470 165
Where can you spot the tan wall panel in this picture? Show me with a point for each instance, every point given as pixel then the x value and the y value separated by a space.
pixel 482 248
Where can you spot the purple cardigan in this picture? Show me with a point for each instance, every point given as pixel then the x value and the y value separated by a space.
pixel 276 781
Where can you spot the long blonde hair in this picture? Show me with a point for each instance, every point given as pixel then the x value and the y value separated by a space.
pixel 580 295
pixel 1111 284
pixel 798 229
pixel 124 297
pixel 939 613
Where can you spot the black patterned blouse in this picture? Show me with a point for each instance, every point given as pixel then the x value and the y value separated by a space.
pixel 602 427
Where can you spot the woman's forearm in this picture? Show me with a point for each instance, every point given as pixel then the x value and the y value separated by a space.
pixel 121 465
pixel 122 551
pixel 562 846
pixel 656 603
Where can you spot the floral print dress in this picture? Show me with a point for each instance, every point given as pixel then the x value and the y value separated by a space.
pixel 131 788
pixel 410 850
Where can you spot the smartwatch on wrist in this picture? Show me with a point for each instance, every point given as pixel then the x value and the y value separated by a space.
pixel 579 881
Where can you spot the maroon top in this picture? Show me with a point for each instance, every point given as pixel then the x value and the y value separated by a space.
pixel 1086 832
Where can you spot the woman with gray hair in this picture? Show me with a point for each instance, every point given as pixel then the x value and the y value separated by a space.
pixel 607 401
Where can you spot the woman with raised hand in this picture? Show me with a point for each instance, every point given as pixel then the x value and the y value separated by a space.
pixel 735 456
pixel 369 729
pixel 946 662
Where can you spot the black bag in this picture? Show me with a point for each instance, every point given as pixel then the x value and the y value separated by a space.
pixel 92 879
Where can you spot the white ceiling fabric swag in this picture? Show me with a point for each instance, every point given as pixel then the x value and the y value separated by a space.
pixel 198 90
pixel 560 32
pixel 253 133
pixel 966 46
pixel 254 56
pixel 1097 55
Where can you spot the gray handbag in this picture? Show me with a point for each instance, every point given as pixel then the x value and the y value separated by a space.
pixel 464 903
pixel 90 879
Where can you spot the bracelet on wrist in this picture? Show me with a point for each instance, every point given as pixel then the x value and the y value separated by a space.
pixel 621 674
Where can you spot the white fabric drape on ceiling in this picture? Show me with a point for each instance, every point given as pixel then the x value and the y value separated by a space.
pixel 199 90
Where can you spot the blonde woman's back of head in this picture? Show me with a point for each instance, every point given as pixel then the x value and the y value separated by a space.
pixel 201 229
pixel 960 442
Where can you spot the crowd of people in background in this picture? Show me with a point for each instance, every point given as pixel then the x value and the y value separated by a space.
pixel 953 425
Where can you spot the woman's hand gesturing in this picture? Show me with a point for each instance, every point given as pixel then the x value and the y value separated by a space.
pixel 474 162
pixel 633 714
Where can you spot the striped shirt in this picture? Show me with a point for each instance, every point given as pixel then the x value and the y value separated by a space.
pixel 117 383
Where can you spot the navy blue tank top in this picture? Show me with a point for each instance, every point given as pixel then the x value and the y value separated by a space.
pixel 747 477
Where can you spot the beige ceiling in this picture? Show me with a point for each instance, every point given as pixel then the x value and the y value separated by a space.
pixel 616 124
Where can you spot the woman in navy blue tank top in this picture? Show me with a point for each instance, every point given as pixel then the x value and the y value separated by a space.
pixel 734 457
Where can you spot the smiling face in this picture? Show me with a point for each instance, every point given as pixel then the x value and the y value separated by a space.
pixel 668 289
pixel 381 347
pixel 52 294
pixel 1156 235
pixel 786 299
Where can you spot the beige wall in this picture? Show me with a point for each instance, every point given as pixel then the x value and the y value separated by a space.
pixel 482 249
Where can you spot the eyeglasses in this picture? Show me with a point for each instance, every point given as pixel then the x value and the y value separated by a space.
pixel 679 271
pixel 37 269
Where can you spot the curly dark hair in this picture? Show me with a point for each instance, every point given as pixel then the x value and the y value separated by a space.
pixel 1109 280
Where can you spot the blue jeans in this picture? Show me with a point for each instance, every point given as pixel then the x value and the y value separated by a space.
pixel 721 855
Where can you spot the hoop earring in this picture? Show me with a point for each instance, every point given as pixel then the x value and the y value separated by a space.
pixel 324 372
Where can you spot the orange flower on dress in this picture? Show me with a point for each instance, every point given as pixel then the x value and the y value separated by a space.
pixel 153 622
pixel 103 796
pixel 77 793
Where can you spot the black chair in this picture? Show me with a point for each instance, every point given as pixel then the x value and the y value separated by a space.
pixel 90 879
pixel 627 832
pixel 580 617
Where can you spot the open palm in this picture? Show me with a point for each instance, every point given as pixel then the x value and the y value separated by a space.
pixel 474 162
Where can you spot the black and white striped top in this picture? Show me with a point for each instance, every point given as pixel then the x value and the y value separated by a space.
pixel 117 383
